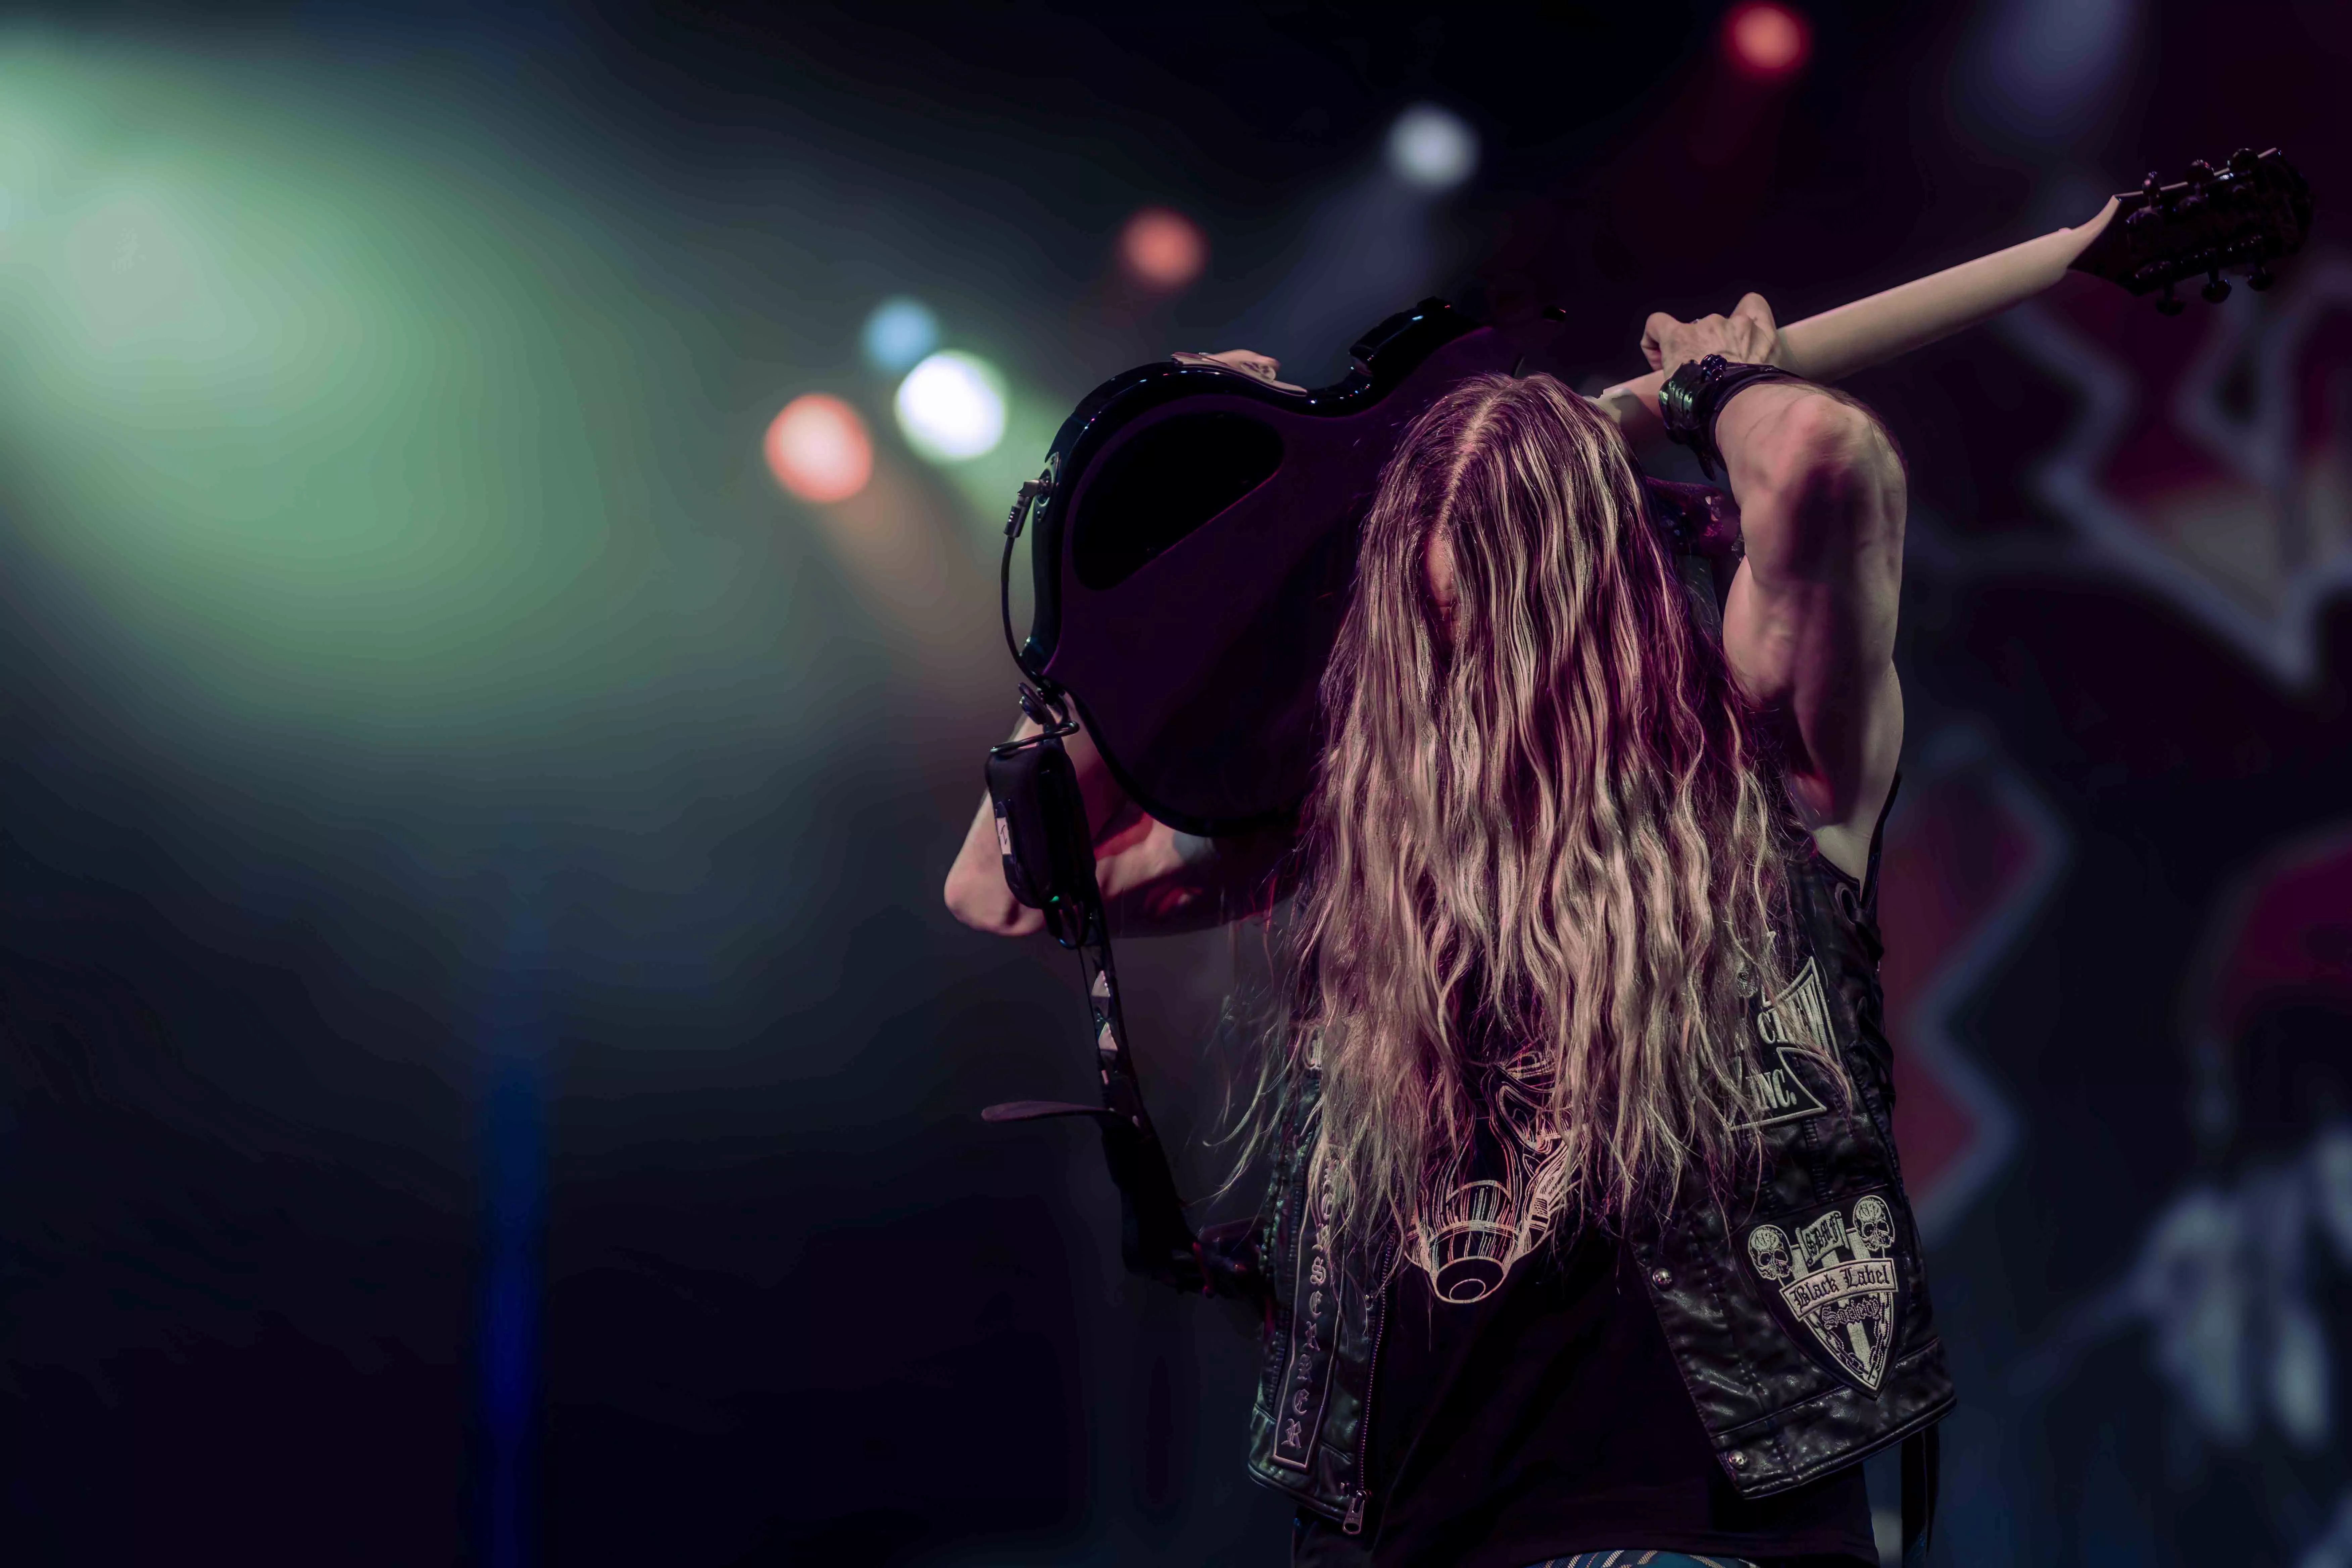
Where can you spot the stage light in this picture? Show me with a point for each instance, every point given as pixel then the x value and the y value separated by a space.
pixel 1433 148
pixel 1163 250
pixel 900 331
pixel 818 449
pixel 951 407
pixel 1764 41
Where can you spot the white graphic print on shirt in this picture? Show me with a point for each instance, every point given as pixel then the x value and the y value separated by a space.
pixel 1494 1204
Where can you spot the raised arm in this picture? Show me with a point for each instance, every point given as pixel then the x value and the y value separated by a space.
pixel 1808 629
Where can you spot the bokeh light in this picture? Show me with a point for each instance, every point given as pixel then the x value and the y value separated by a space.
pixel 900 331
pixel 1433 148
pixel 1162 249
pixel 1764 41
pixel 818 449
pixel 951 407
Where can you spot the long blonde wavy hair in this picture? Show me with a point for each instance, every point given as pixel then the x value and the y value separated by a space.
pixel 1548 819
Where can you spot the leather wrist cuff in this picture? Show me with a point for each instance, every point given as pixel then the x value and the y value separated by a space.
pixel 1694 394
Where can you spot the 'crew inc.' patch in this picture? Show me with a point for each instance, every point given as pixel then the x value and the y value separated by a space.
pixel 1791 1024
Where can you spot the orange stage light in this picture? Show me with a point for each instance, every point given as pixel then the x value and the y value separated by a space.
pixel 1764 41
pixel 818 449
pixel 1163 250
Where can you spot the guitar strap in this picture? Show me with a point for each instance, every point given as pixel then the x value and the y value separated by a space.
pixel 1921 1460
pixel 1042 833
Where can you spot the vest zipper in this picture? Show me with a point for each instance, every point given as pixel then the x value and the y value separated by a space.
pixel 1354 1524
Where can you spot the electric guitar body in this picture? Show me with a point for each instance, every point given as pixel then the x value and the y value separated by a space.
pixel 1193 556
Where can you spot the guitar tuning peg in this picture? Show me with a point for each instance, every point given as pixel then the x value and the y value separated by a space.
pixel 2201 177
pixel 2261 277
pixel 2170 305
pixel 2215 290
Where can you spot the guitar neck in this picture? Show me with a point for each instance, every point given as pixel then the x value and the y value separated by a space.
pixel 1836 344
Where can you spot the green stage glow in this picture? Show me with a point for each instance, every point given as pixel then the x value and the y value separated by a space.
pixel 336 429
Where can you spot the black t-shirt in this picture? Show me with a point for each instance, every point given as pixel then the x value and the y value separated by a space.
pixel 1550 1418
pixel 1536 1411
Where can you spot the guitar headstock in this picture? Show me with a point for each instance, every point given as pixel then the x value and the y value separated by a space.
pixel 2246 214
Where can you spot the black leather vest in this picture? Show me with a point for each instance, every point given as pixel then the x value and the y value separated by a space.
pixel 1799 1318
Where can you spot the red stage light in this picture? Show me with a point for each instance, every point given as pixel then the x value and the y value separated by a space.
pixel 818 449
pixel 1764 41
pixel 1163 250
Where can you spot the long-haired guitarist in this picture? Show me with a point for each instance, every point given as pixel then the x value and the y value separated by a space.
pixel 1585 1233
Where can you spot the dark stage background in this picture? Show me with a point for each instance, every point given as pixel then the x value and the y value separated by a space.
pixel 485 1075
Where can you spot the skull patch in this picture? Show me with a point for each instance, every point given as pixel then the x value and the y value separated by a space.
pixel 1839 1279
pixel 1875 1223
pixel 1769 1249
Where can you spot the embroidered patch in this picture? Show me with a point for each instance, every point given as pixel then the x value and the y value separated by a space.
pixel 1306 1381
pixel 1798 1015
pixel 1838 1276
pixel 1792 1023
pixel 1780 1094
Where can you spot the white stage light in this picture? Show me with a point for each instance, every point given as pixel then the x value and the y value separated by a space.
pixel 952 408
pixel 1433 148
pixel 900 331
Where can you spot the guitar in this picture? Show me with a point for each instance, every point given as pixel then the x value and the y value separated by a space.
pixel 1195 527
